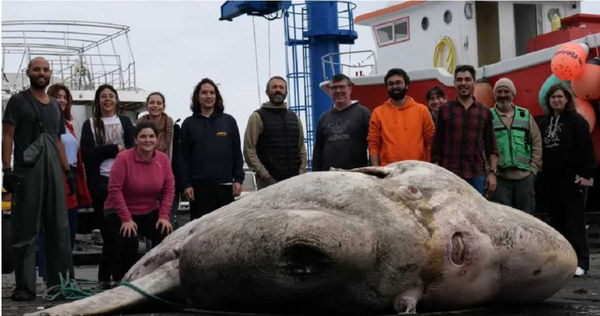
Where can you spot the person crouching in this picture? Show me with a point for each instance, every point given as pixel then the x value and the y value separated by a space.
pixel 141 188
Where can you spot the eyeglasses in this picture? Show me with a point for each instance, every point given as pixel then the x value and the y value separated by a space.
pixel 398 83
pixel 340 88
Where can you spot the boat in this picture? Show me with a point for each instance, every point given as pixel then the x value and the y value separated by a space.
pixel 512 39
pixel 82 54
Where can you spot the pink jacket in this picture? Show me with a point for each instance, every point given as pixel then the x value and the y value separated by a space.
pixel 137 187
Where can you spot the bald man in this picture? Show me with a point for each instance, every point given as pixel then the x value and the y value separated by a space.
pixel 33 123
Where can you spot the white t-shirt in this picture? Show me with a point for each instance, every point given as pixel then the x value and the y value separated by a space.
pixel 113 131
pixel 71 146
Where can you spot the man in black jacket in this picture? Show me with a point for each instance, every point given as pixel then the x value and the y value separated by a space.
pixel 274 146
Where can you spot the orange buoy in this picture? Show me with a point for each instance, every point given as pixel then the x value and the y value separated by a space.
pixel 568 61
pixel 587 85
pixel 484 93
pixel 585 109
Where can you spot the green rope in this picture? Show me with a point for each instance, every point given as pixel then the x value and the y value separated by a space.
pixel 67 289
pixel 150 296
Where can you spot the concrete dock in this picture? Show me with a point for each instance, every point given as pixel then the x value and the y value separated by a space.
pixel 580 297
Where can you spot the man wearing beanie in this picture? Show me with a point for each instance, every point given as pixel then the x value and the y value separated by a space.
pixel 519 147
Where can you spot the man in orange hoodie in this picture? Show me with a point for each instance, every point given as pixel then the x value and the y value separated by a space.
pixel 399 129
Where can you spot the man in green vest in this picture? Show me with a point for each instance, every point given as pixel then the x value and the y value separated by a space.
pixel 519 147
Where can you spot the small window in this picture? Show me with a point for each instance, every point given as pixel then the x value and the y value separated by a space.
pixel 447 16
pixel 392 32
pixel 400 31
pixel 385 34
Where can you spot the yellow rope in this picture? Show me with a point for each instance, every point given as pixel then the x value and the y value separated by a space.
pixel 438 54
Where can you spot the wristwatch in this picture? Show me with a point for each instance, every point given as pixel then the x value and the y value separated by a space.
pixel 494 171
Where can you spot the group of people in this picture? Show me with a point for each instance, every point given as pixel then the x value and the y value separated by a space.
pixel 132 175
pixel 497 150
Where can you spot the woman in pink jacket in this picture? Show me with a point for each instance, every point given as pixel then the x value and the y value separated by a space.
pixel 141 187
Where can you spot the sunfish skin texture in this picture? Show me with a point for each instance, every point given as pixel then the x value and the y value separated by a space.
pixel 367 240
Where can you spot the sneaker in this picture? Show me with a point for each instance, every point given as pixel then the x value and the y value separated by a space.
pixel 579 272
pixel 22 295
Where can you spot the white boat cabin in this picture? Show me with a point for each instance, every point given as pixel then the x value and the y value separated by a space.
pixel 425 34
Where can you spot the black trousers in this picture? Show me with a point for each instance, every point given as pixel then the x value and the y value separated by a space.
pixel 107 269
pixel 209 197
pixel 127 247
pixel 566 211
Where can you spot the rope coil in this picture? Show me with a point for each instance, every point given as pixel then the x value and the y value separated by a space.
pixel 438 54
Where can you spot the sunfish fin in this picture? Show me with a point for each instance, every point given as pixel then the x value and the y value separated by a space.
pixel 379 172
pixel 163 280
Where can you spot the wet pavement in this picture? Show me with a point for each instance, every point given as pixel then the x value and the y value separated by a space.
pixel 581 296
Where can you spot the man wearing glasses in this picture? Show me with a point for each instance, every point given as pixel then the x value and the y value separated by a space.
pixel 341 134
pixel 400 128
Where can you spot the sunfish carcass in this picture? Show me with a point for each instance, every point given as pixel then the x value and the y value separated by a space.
pixel 367 240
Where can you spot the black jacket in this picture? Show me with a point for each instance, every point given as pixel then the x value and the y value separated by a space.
pixel 277 145
pixel 567 144
pixel 93 154
pixel 210 150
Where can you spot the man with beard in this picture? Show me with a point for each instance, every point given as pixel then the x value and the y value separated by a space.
pixel 274 146
pixel 399 129
pixel 464 132
pixel 33 123
pixel 519 147
pixel 341 134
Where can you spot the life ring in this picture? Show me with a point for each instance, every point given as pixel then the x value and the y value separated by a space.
pixel 438 54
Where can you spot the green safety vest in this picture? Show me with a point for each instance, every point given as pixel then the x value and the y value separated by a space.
pixel 514 144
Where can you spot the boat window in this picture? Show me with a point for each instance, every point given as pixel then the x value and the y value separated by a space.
pixel 400 31
pixel 392 32
pixel 447 16
pixel 425 23
pixel 385 34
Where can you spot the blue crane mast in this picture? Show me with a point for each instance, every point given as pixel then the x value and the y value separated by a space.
pixel 313 30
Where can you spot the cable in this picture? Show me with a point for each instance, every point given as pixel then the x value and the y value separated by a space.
pixel 269 43
pixel 256 60
pixel 150 296
pixel 438 54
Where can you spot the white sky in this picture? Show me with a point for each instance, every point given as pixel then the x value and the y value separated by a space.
pixel 177 43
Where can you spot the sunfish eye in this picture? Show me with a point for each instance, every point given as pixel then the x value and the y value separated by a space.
pixel 457 254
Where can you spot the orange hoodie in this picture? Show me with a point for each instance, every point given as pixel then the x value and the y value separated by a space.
pixel 397 134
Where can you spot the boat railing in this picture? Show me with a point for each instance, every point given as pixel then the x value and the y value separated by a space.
pixel 82 55
pixel 366 63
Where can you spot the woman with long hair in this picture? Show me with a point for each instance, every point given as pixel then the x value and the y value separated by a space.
pixel 155 105
pixel 82 197
pixel 167 137
pixel 210 159
pixel 567 168
pixel 103 136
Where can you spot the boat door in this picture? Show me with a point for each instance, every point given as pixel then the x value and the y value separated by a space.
pixel 488 33
pixel 526 25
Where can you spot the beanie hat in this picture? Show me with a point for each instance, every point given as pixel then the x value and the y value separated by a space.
pixel 507 83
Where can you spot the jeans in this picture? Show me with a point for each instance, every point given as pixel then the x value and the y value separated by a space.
pixel 478 183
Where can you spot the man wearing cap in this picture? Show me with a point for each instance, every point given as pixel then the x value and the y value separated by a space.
pixel 519 147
